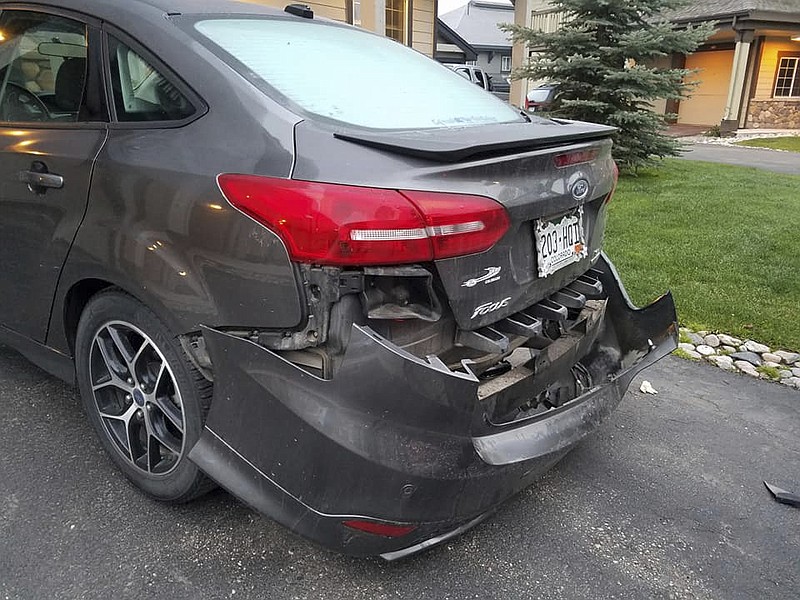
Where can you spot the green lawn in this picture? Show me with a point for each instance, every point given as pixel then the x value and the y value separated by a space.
pixel 724 239
pixel 779 143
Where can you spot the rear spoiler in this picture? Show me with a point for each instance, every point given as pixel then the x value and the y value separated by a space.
pixel 457 144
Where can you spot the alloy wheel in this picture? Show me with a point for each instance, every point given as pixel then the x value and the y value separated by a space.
pixel 137 397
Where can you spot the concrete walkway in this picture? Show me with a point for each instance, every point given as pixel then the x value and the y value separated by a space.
pixel 769 160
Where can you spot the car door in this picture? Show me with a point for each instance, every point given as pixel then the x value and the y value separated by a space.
pixel 480 79
pixel 52 125
pixel 464 73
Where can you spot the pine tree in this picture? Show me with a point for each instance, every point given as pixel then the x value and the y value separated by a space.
pixel 603 59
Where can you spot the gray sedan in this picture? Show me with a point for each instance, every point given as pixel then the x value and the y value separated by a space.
pixel 372 323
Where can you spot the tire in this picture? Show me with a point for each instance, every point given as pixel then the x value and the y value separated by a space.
pixel 145 400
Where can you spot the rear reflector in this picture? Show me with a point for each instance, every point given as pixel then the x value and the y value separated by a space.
pixel 576 158
pixel 377 528
pixel 331 224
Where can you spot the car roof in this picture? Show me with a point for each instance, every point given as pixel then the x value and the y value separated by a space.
pixel 107 9
pixel 195 6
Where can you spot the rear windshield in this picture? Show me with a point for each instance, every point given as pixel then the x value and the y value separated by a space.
pixel 540 94
pixel 349 76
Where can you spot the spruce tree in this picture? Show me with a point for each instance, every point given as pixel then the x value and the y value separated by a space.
pixel 603 57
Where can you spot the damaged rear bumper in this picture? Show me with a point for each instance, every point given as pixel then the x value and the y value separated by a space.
pixel 399 439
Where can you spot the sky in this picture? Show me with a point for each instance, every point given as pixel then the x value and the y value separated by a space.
pixel 446 6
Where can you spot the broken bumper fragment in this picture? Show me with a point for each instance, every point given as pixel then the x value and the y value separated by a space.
pixel 396 453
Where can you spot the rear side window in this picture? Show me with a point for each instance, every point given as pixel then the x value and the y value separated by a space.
pixel 347 75
pixel 140 92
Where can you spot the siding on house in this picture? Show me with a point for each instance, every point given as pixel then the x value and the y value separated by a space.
pixel 765 84
pixel 706 106
pixel 422 30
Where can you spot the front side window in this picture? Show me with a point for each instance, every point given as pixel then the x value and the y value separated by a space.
pixel 43 68
pixel 787 80
pixel 140 92
pixel 396 19
pixel 349 76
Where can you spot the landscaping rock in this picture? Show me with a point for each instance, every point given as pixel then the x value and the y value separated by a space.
pixel 788 357
pixel 726 362
pixel 732 354
pixel 729 340
pixel 705 350
pixel 751 346
pixel 750 357
pixel 746 368
pixel 695 338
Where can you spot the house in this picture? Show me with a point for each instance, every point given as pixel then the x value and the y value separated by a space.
pixel 477 22
pixel 748 70
pixel 410 22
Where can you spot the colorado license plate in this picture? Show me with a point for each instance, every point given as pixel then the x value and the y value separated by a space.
pixel 559 242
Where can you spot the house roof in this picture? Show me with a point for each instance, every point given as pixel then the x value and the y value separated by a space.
pixel 477 22
pixel 711 9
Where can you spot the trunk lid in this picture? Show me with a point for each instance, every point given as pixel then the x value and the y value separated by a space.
pixel 513 164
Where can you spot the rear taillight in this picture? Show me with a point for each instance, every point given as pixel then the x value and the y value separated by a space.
pixel 333 224
pixel 575 158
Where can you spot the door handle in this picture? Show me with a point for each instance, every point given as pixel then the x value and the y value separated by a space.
pixel 39 180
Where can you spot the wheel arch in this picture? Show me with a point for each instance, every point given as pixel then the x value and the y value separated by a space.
pixel 71 303
pixel 75 301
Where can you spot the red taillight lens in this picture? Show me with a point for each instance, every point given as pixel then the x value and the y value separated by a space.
pixel 376 528
pixel 333 224
pixel 459 225
pixel 575 158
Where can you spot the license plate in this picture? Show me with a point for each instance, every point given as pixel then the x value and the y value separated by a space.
pixel 560 242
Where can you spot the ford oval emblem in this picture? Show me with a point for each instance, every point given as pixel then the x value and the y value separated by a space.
pixel 580 189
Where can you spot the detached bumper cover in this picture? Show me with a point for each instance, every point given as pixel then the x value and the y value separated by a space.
pixel 394 437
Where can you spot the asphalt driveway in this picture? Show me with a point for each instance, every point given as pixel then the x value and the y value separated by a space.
pixel 760 158
pixel 665 501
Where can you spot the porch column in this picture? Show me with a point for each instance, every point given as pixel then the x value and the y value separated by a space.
pixel 519 52
pixel 373 16
pixel 736 89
